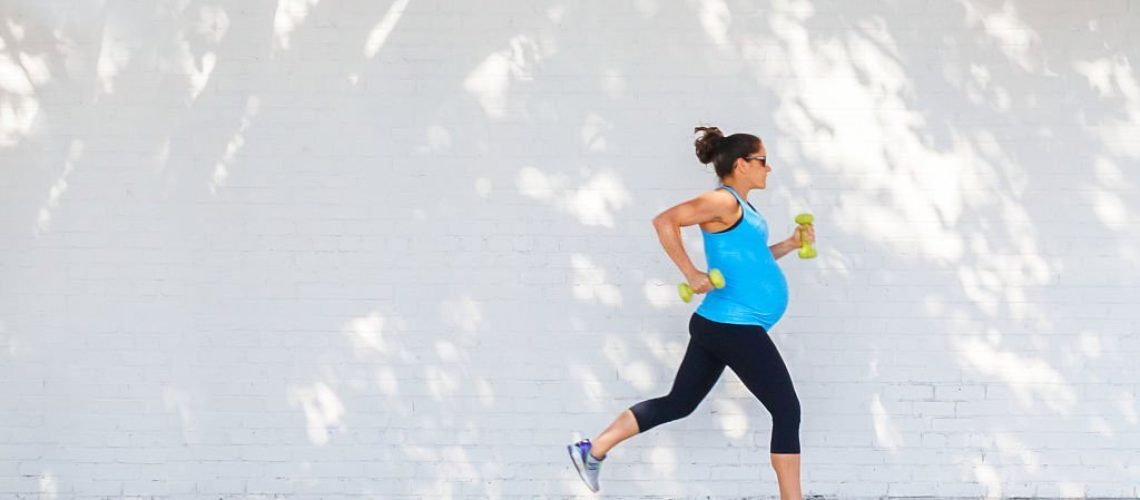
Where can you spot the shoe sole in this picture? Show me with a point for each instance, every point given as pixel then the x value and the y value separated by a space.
pixel 574 460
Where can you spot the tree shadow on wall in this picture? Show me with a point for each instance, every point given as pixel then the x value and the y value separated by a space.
pixel 326 233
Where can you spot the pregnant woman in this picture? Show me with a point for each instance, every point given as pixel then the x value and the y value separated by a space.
pixel 730 328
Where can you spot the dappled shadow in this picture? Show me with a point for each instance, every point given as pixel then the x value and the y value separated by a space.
pixel 404 248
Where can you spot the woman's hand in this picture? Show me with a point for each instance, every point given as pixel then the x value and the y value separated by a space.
pixel 794 242
pixel 799 235
pixel 699 282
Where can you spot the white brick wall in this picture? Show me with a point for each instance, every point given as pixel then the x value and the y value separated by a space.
pixel 326 249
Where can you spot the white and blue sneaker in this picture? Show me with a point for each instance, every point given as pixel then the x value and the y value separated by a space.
pixel 588 466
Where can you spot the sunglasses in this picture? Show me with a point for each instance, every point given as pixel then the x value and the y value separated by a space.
pixel 763 159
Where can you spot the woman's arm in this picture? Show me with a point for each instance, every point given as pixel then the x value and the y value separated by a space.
pixel 707 207
pixel 782 248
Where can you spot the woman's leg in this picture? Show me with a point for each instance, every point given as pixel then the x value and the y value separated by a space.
pixel 696 376
pixel 752 355
pixel 622 428
pixel 787 467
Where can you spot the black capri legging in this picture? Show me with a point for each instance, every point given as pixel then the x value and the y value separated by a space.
pixel 750 353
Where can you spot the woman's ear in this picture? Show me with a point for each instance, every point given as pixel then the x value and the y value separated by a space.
pixel 738 164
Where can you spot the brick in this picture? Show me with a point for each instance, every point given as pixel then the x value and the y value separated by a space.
pixel 182 270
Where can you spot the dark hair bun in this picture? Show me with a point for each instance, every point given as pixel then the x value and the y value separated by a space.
pixel 707 143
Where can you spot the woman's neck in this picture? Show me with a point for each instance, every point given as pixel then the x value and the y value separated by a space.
pixel 740 189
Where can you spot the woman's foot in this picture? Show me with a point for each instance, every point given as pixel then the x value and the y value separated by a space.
pixel 588 466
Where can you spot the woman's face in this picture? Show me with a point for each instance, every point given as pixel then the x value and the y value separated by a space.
pixel 757 167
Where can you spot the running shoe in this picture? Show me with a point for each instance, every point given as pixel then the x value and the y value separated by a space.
pixel 588 466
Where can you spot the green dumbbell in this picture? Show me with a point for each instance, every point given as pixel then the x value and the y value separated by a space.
pixel 715 277
pixel 807 250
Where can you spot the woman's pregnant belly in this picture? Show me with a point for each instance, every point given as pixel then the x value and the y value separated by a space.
pixel 757 295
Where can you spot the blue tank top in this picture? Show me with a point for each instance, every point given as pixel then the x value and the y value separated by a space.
pixel 755 291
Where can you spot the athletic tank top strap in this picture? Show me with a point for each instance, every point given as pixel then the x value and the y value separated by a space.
pixel 739 200
pixel 734 194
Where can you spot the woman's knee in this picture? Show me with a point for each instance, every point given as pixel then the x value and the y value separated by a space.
pixel 788 414
pixel 679 406
pixel 786 428
pixel 668 408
